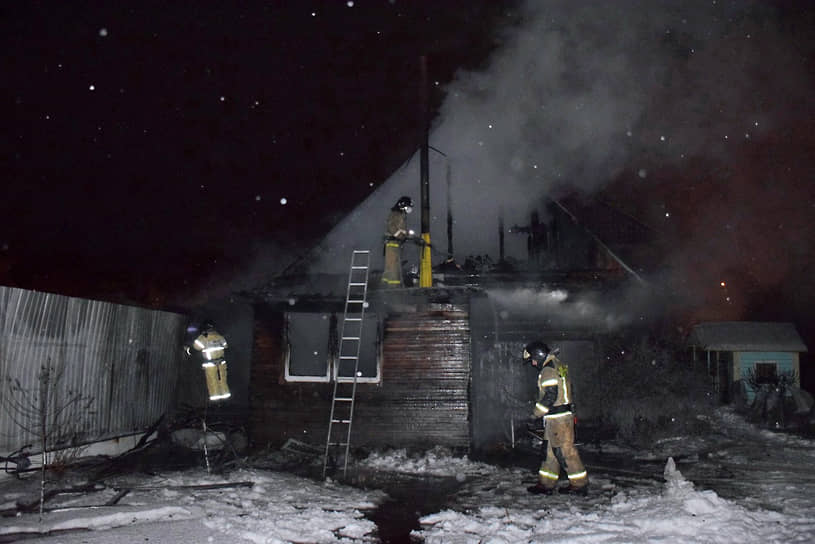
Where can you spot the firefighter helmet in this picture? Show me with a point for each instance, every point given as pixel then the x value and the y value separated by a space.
pixel 405 204
pixel 207 326
pixel 535 351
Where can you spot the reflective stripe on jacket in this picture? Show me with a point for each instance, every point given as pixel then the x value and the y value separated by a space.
pixel 211 345
pixel 554 390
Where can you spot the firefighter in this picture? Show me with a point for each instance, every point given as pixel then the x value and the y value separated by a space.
pixel 395 235
pixel 554 405
pixel 212 346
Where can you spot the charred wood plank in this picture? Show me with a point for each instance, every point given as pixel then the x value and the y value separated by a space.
pixel 187 487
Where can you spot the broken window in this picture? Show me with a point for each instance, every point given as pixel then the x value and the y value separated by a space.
pixel 307 339
pixel 313 346
pixel 369 352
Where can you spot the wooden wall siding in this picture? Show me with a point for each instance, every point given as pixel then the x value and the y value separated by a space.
pixel 424 396
pixel 278 410
pixel 422 400
pixel 786 362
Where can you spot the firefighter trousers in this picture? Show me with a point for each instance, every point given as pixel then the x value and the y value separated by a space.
pixel 561 454
pixel 392 274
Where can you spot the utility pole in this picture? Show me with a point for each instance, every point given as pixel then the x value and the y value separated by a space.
pixel 426 267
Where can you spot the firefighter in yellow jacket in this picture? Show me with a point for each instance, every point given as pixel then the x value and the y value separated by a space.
pixel 554 405
pixel 212 346
pixel 396 233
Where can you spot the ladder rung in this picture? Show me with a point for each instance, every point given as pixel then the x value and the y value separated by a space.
pixel 357 287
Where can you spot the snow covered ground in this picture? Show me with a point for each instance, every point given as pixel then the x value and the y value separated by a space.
pixel 740 484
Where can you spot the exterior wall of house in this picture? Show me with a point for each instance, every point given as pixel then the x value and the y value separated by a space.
pixel 424 396
pixel 421 400
pixel 728 368
pixel 796 364
pixel 451 374
pixel 785 362
pixel 503 387
pixel 278 410
pixel 233 319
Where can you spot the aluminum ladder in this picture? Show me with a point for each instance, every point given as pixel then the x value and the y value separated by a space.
pixel 346 370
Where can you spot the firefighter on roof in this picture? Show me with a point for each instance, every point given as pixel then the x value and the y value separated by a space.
pixel 212 346
pixel 395 235
pixel 554 405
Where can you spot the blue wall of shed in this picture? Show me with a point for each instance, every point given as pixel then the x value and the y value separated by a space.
pixel 747 360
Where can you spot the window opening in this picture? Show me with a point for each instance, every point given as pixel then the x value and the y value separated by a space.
pixel 766 372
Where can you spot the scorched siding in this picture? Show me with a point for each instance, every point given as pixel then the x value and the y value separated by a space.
pixel 422 399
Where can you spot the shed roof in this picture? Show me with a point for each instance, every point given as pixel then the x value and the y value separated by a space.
pixel 746 336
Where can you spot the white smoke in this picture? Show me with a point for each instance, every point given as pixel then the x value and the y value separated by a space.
pixel 560 308
pixel 577 93
pixel 580 90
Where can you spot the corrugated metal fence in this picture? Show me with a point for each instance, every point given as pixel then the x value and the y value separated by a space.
pixel 82 370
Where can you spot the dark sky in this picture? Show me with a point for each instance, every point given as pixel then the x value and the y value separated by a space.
pixel 149 145
pixel 146 147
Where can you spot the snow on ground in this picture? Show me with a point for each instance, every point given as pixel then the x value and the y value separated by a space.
pixel 676 512
pixel 437 461
pixel 743 484
pixel 279 507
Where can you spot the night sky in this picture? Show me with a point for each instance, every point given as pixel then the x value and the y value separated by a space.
pixel 153 148
pixel 147 150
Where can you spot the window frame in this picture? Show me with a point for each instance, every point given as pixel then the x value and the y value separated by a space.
pixel 301 378
pixel 760 378
pixel 377 378
pixel 332 352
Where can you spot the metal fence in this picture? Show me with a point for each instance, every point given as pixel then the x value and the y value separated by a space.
pixel 75 370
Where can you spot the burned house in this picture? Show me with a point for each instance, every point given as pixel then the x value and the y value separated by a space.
pixel 438 365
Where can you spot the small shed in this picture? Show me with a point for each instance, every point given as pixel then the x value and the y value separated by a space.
pixel 734 349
